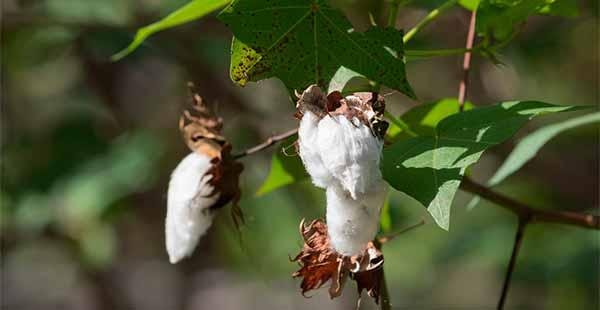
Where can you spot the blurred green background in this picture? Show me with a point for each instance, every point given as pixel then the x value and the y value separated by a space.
pixel 88 146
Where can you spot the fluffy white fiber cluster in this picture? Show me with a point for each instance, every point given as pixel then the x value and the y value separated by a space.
pixel 188 202
pixel 342 156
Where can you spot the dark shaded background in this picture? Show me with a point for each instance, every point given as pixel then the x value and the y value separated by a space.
pixel 88 146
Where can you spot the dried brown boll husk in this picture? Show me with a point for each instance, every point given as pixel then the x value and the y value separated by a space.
pixel 319 264
pixel 201 130
pixel 367 107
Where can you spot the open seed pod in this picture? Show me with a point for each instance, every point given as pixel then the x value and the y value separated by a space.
pixel 340 140
pixel 204 181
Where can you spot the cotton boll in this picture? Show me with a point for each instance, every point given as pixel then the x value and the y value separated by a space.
pixel 188 203
pixel 351 223
pixel 350 153
pixel 308 137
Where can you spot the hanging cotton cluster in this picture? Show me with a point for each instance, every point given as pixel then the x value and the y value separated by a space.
pixel 341 148
pixel 340 141
pixel 204 181
pixel 188 205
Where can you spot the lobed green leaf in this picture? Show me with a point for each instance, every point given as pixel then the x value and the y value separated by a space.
pixel 306 42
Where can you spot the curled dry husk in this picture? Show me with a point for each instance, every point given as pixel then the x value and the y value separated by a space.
pixel 205 180
pixel 202 133
pixel 319 263
pixel 367 107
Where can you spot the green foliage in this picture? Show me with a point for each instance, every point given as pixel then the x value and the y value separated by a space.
pixel 193 10
pixel 386 217
pixel 347 81
pixel 430 168
pixel 285 170
pixel 499 18
pixel 302 43
pixel 530 145
pixel 423 118
pixel 469 4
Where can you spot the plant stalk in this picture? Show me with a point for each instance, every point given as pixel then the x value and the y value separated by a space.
pixel 428 19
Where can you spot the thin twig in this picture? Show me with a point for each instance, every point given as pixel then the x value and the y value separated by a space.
pixel 389 237
pixel 462 88
pixel 513 260
pixel 269 142
pixel 533 214
pixel 428 19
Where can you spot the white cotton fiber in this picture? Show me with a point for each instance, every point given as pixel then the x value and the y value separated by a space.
pixel 351 223
pixel 308 137
pixel 188 213
pixel 350 152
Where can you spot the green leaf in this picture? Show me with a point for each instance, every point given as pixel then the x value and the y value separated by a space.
pixel 530 145
pixel 430 168
pixel 423 118
pixel 565 8
pixel 285 170
pixel 347 82
pixel 500 17
pixel 385 222
pixel 305 42
pixel 469 4
pixel 189 12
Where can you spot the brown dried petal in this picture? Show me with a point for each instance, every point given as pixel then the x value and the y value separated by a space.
pixel 202 133
pixel 320 264
pixel 367 107
pixel 225 179
pixel 369 281
pixel 313 100
pixel 202 130
pixel 370 275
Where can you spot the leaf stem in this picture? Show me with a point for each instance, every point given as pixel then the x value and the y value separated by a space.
pixel 441 52
pixel 400 123
pixel 428 19
pixel 389 237
pixel 462 88
pixel 393 14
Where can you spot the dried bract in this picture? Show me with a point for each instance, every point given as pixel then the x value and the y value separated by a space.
pixel 319 264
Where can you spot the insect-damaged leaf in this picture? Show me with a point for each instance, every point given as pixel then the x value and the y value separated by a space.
pixel 430 168
pixel 305 42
